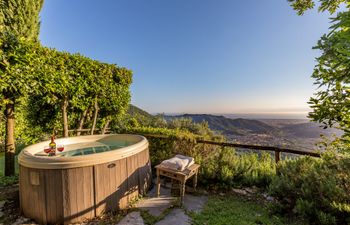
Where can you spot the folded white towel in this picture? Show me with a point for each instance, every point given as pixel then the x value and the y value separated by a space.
pixel 179 162
pixel 190 159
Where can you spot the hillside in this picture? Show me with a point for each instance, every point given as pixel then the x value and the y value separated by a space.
pixel 136 111
pixel 142 117
pixel 230 126
pixel 293 133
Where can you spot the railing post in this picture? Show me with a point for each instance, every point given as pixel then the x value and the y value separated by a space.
pixel 277 156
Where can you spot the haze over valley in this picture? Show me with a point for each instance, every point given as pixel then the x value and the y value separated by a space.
pixel 300 134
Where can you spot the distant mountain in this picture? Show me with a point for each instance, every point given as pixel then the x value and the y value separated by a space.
pixel 229 126
pixel 292 133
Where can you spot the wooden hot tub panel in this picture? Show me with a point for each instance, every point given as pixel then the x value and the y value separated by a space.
pixel 72 195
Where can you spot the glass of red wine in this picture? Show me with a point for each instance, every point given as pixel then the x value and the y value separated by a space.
pixel 60 148
pixel 47 149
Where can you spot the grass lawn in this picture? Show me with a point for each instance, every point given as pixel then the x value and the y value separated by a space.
pixel 227 210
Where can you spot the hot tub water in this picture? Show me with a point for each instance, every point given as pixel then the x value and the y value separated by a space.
pixel 80 149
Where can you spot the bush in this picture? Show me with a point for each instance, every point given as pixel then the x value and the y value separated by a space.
pixel 175 142
pixel 316 189
pixel 227 168
pixel 220 167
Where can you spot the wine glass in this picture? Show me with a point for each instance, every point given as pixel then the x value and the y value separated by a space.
pixel 60 148
pixel 47 149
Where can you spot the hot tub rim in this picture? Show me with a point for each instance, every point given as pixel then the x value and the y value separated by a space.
pixel 28 160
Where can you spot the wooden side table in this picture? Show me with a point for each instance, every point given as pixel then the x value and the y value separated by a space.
pixel 181 176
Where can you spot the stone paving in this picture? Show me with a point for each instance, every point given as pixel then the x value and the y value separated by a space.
pixel 176 216
pixel 156 206
pixel 133 218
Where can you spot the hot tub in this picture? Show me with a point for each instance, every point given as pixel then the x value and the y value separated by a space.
pixel 93 175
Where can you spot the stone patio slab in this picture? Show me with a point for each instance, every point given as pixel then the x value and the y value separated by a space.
pixel 133 218
pixel 156 206
pixel 175 217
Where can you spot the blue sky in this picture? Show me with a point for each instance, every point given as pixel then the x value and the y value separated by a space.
pixel 247 56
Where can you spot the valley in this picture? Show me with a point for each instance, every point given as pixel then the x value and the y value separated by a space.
pixel 299 134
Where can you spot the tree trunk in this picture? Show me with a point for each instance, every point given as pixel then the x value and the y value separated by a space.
pixel 95 117
pixel 88 116
pixel 105 126
pixel 65 116
pixel 82 120
pixel 10 140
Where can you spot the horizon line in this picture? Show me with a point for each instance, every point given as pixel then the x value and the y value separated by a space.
pixel 237 113
pixel 274 115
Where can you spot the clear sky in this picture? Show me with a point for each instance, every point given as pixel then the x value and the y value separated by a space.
pixel 196 56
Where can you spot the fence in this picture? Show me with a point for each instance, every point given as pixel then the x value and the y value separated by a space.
pixel 277 150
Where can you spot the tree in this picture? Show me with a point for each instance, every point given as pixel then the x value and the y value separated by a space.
pixel 19 23
pixel 64 81
pixel 21 18
pixel 17 77
pixel 82 100
pixel 115 95
pixel 71 86
pixel 331 102
pixel 324 5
